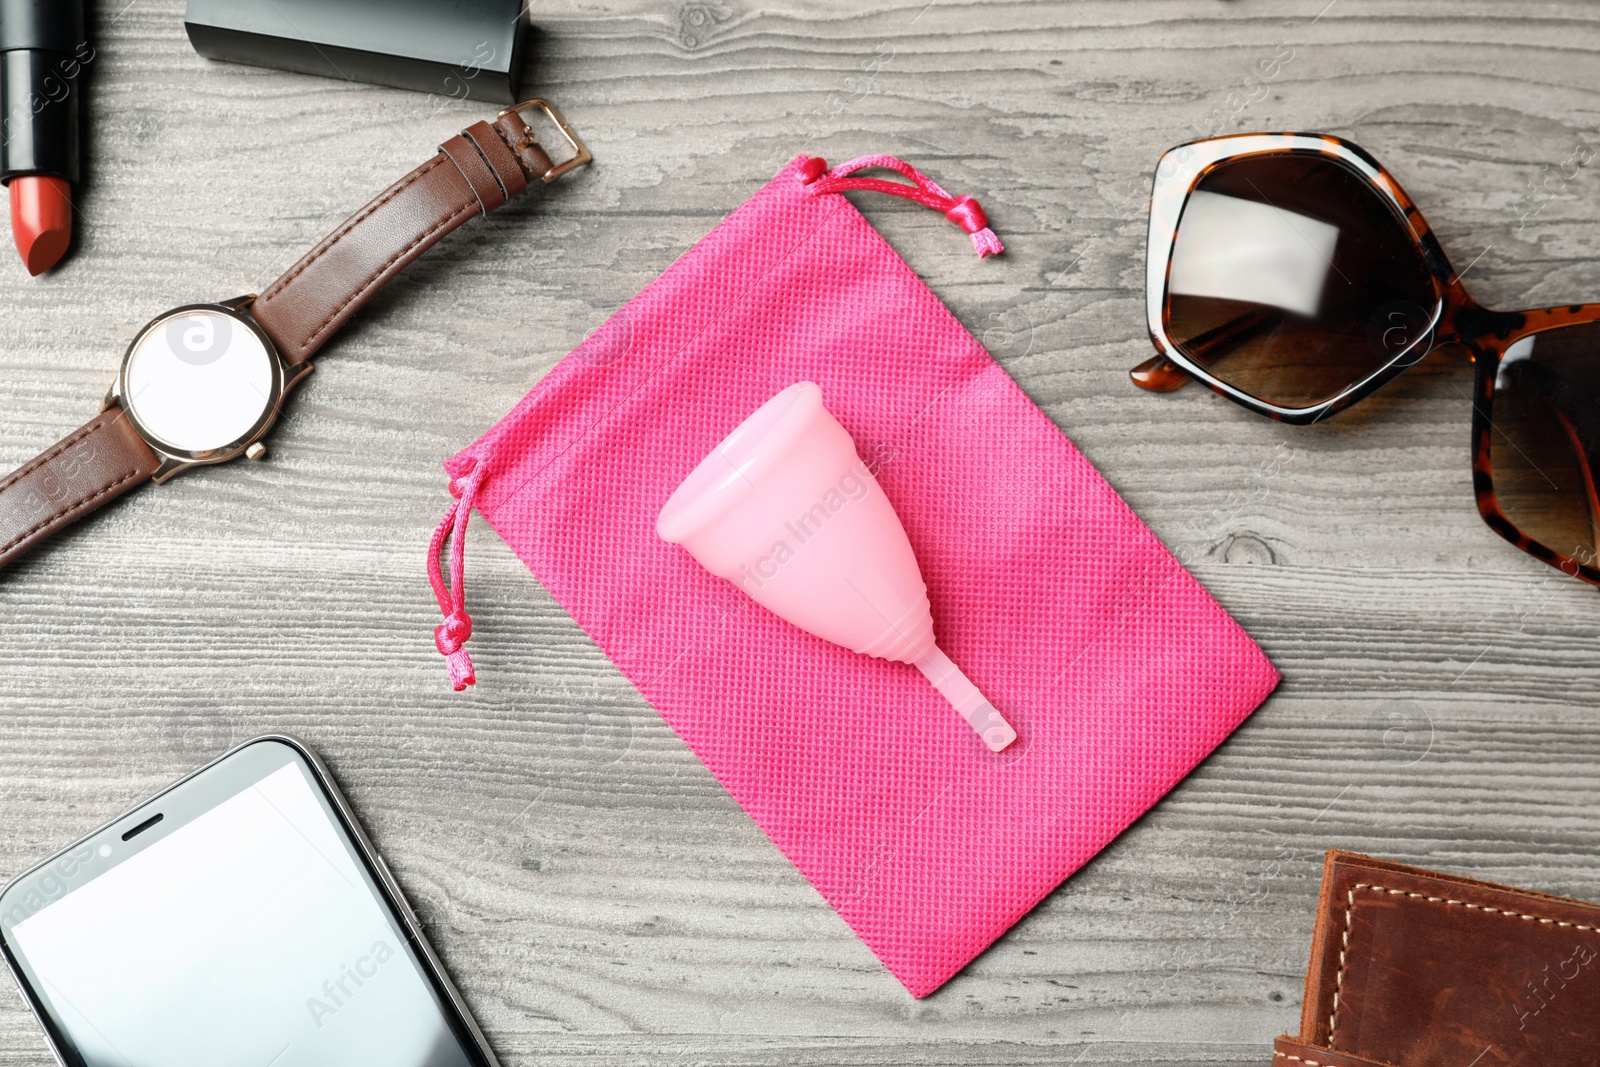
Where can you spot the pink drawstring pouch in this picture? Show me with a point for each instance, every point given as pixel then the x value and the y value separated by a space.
pixel 1118 670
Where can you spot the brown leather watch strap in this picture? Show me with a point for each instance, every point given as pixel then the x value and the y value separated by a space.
pixel 93 464
pixel 473 173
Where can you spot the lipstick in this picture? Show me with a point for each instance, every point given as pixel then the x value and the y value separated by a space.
pixel 43 48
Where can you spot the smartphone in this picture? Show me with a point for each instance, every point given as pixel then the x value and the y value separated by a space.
pixel 239 919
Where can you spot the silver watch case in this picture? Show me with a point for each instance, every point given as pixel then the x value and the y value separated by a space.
pixel 284 378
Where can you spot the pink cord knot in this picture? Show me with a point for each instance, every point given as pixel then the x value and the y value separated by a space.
pixel 451 634
pixel 968 214
pixel 812 169
pixel 448 637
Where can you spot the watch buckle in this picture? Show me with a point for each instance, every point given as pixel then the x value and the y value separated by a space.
pixel 580 155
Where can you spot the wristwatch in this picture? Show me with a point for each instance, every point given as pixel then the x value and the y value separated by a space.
pixel 204 383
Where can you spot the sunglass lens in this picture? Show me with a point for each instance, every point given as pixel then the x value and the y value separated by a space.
pixel 1292 279
pixel 1544 438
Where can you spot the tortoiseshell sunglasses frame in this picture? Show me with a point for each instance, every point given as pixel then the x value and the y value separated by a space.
pixel 1457 319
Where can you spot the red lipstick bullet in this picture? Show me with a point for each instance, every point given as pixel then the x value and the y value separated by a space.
pixel 41 220
pixel 43 49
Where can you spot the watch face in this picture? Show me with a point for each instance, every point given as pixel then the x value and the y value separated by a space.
pixel 198 379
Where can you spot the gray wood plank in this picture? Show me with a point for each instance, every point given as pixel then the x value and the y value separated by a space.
pixel 596 894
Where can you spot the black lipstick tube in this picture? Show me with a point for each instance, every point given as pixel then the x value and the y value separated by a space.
pixel 43 48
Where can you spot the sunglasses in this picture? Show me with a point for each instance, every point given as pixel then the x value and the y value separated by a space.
pixel 1291 273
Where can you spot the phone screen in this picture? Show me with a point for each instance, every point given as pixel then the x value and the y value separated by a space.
pixel 239 928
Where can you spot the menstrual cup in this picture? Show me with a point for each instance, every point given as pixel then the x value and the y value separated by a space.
pixel 786 510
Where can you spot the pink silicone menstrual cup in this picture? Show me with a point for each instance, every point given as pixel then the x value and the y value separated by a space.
pixel 785 509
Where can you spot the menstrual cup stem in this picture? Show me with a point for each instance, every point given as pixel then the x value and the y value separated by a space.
pixel 969 703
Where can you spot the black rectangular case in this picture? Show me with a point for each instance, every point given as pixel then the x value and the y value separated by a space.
pixel 452 48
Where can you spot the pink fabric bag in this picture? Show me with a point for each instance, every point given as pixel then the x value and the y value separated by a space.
pixel 1119 671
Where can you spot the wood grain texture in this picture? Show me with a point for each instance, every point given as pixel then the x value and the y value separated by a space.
pixel 597 896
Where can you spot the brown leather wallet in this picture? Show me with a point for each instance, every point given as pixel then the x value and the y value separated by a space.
pixel 265 341
pixel 1410 968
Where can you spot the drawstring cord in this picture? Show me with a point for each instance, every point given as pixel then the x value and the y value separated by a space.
pixel 961 210
pixel 451 635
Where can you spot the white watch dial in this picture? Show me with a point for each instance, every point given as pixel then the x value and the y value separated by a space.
pixel 198 381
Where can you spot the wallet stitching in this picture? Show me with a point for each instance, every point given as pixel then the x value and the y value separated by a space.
pixel 1344 949
pixel 349 225
pixel 1350 907
pixel 1299 1059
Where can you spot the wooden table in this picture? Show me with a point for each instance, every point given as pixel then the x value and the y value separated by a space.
pixel 598 897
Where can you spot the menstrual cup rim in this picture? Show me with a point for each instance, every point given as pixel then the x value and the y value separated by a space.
pixel 713 487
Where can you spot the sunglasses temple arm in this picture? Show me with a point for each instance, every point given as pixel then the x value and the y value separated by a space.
pixel 1159 374
pixel 1584 437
